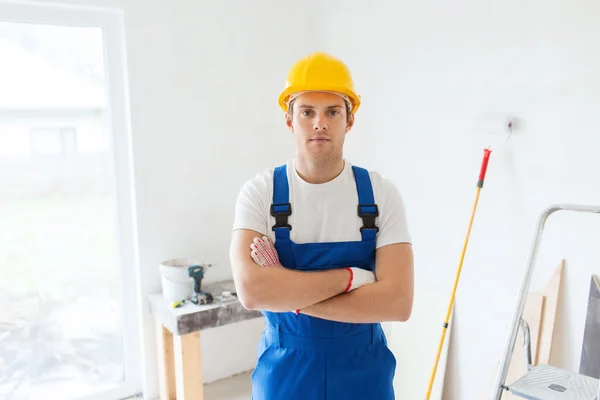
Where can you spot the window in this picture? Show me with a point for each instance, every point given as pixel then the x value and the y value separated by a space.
pixel 67 245
pixel 53 141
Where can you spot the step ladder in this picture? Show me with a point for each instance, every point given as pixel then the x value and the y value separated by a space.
pixel 542 382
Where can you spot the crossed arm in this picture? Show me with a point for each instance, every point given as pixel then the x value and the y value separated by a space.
pixel 321 293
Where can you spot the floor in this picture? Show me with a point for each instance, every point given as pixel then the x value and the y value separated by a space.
pixel 235 388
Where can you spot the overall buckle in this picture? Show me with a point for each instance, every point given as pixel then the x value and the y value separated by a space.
pixel 368 217
pixel 281 217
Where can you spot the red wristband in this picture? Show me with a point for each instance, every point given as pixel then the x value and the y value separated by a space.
pixel 350 280
pixel 297 312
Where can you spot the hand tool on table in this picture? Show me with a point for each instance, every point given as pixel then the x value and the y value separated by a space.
pixel 196 272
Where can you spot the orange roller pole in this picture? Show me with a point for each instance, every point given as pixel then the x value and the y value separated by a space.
pixel 484 164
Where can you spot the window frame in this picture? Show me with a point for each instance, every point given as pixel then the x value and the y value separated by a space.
pixel 111 21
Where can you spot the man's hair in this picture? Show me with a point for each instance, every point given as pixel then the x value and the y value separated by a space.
pixel 291 109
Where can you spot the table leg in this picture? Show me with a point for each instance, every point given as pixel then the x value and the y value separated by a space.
pixel 188 366
pixel 166 363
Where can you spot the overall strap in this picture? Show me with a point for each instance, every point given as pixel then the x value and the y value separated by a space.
pixel 281 208
pixel 367 209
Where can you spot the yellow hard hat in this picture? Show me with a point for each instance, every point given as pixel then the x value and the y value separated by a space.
pixel 319 72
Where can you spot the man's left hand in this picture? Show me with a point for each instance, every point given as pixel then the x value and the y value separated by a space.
pixel 264 254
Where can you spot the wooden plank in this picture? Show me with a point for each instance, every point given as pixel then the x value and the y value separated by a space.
pixel 166 362
pixel 188 367
pixel 532 313
pixel 590 349
pixel 551 294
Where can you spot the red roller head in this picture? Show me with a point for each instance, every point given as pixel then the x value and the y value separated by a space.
pixel 484 164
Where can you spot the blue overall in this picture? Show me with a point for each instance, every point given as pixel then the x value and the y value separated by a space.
pixel 309 358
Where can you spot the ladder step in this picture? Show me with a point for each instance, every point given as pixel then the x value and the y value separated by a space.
pixel 545 382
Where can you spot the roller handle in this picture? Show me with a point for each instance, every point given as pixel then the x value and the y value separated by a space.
pixel 484 165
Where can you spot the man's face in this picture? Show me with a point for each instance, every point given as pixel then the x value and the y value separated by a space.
pixel 319 123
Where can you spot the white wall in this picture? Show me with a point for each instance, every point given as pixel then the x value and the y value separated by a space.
pixel 437 79
pixel 204 85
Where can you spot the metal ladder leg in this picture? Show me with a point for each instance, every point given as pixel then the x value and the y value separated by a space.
pixel 500 383
pixel 527 343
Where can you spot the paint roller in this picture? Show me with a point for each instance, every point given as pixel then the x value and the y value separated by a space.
pixel 483 170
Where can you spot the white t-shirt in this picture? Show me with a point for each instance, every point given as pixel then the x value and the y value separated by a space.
pixel 324 212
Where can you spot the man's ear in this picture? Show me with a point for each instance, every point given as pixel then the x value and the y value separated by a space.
pixel 288 122
pixel 350 123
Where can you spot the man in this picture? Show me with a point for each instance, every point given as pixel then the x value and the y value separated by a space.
pixel 322 248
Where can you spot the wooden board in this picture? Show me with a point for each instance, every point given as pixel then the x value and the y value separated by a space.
pixel 551 294
pixel 590 350
pixel 415 344
pixel 166 363
pixel 188 366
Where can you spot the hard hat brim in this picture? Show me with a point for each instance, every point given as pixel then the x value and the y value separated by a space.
pixel 285 94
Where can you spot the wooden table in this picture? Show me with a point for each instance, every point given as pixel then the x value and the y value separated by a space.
pixel 178 338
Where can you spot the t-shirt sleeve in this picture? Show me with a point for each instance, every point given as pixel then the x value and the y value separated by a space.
pixel 393 223
pixel 250 208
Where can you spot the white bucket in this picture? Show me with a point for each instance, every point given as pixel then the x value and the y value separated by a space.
pixel 176 281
